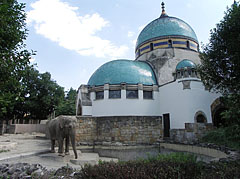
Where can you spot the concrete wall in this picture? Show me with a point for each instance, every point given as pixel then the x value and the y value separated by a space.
pixel 122 129
pixel 27 128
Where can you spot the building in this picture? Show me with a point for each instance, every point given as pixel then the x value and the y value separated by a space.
pixel 161 82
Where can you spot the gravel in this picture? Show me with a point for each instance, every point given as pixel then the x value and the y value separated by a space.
pixel 27 171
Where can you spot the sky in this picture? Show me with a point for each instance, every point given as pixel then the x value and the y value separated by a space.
pixel 73 38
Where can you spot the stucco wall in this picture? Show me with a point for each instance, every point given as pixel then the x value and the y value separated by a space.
pixel 164 61
pixel 123 129
pixel 183 104
pixel 126 107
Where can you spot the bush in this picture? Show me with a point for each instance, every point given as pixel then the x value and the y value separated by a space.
pixel 227 136
pixel 174 165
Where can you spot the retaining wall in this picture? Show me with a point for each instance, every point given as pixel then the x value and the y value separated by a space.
pixel 123 129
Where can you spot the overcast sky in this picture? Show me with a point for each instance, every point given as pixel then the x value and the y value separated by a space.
pixel 75 37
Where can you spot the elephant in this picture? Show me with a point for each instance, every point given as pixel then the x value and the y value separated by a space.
pixel 60 128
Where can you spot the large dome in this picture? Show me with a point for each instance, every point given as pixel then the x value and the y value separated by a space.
pixel 163 27
pixel 123 71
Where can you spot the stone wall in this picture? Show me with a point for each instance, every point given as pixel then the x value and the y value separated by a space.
pixel 192 132
pixel 129 130
pixel 86 130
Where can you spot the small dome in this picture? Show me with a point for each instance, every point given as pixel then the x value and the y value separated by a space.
pixel 166 26
pixel 123 71
pixel 185 64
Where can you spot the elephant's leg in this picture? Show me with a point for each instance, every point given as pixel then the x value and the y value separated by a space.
pixel 52 145
pixel 67 146
pixel 74 145
pixel 60 147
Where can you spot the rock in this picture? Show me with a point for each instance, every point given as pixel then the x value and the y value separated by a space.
pixel 38 173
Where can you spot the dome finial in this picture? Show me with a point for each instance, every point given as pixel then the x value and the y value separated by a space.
pixel 163 10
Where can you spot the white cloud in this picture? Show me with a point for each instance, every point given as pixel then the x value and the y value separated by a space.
pixel 130 33
pixel 60 22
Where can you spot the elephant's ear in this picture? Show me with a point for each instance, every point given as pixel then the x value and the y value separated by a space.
pixel 61 123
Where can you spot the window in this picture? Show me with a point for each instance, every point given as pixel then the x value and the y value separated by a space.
pixel 151 46
pixel 139 52
pixel 132 94
pixel 188 44
pixel 169 43
pixel 186 73
pixel 99 94
pixel 114 94
pixel 147 95
pixel 201 118
pixel 179 75
pixel 190 72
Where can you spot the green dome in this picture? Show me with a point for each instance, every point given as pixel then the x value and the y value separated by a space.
pixel 185 64
pixel 123 71
pixel 166 26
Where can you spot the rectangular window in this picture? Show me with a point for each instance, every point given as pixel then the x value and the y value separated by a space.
pixel 114 94
pixel 99 94
pixel 132 94
pixel 147 95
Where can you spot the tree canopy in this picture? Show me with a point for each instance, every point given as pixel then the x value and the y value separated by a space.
pixel 68 105
pixel 220 69
pixel 24 92
pixel 14 58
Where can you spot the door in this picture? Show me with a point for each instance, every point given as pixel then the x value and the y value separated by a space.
pixel 166 125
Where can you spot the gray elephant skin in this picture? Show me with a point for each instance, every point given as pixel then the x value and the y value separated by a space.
pixel 63 128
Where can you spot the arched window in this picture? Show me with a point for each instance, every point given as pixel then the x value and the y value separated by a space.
pixel 200 117
pixel 132 94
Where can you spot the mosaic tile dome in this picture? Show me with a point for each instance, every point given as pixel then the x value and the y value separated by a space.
pixel 185 64
pixel 166 26
pixel 123 71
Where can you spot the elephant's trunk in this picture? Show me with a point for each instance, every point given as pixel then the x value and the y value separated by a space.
pixel 74 145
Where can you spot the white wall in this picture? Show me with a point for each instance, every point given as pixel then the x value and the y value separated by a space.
pixel 183 104
pixel 126 107
pixel 86 110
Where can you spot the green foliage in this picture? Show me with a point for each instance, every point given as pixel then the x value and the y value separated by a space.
pixel 164 167
pixel 220 67
pixel 24 92
pixel 1 151
pixel 14 58
pixel 228 136
pixel 41 95
pixel 67 105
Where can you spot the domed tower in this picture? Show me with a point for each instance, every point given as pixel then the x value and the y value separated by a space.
pixel 165 42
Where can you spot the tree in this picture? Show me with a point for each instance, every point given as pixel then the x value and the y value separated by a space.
pixel 68 105
pixel 41 95
pixel 220 69
pixel 14 58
